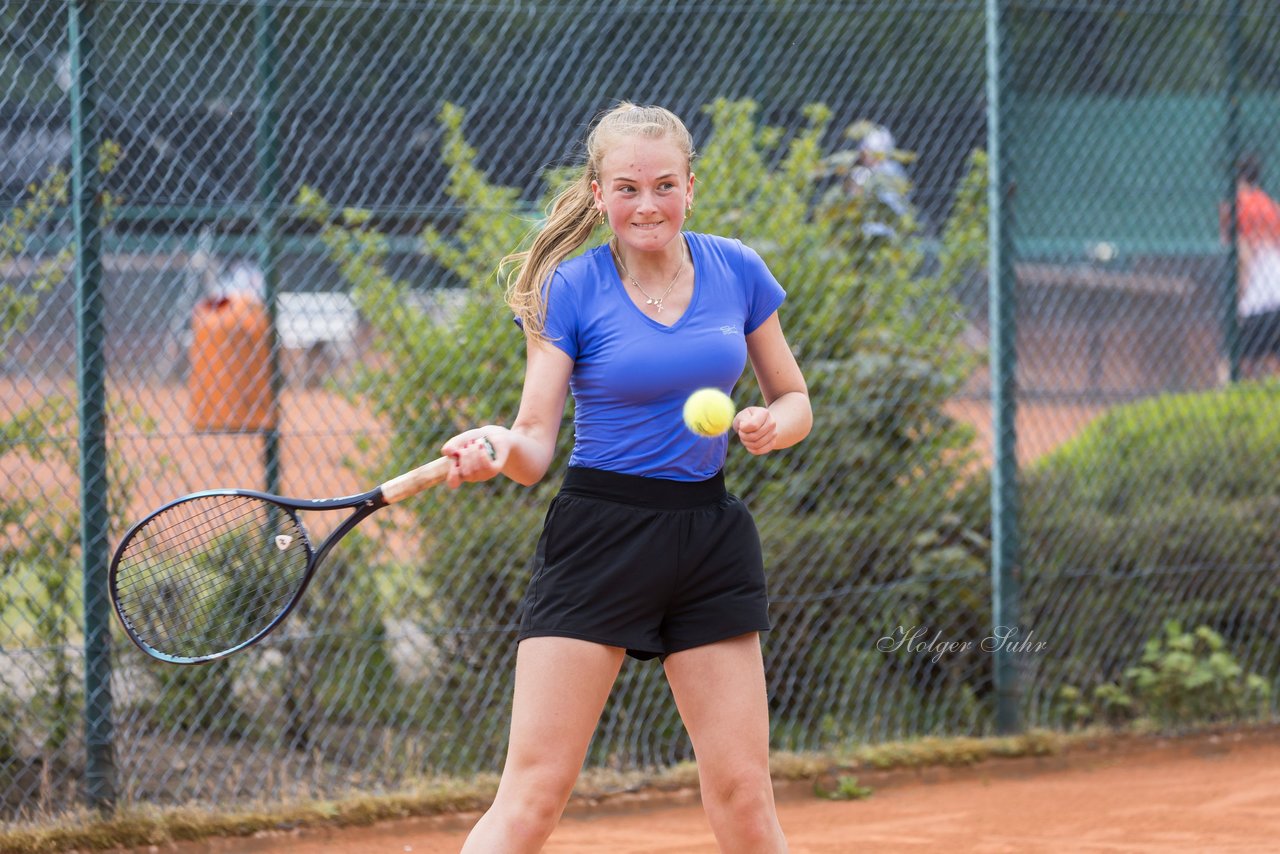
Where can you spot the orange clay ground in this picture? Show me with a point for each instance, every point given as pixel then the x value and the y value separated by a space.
pixel 1195 794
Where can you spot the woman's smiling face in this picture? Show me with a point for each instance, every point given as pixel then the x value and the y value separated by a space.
pixel 644 187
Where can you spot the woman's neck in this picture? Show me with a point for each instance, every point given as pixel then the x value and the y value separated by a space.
pixel 655 266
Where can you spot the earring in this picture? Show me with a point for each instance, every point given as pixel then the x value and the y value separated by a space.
pixel 689 212
pixel 601 222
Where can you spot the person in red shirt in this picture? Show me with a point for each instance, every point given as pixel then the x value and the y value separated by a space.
pixel 1258 252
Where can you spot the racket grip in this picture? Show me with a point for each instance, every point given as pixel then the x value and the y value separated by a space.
pixel 423 477
pixel 413 482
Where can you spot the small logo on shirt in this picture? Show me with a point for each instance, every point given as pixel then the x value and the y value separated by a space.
pixel 729 330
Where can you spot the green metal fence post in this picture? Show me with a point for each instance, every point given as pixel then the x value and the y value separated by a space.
pixel 268 217
pixel 1001 308
pixel 99 774
pixel 1231 287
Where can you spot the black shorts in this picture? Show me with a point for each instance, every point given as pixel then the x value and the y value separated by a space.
pixel 1260 334
pixel 653 566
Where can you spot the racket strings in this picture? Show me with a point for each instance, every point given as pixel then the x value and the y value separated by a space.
pixel 210 573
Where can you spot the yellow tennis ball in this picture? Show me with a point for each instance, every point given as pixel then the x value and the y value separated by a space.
pixel 708 412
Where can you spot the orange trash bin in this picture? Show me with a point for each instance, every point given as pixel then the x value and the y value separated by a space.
pixel 230 377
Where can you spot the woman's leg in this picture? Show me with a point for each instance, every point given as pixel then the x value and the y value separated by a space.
pixel 720 691
pixel 561 687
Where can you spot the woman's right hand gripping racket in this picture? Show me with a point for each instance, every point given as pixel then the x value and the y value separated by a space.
pixel 215 572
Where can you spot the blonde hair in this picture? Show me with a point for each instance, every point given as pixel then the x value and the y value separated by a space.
pixel 572 214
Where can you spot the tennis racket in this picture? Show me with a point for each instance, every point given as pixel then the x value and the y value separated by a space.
pixel 215 572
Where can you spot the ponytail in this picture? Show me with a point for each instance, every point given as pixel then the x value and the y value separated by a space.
pixel 570 223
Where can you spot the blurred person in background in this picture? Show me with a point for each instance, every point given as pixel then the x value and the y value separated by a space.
pixel 1258 255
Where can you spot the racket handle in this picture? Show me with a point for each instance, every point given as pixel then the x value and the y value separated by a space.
pixel 423 477
pixel 413 482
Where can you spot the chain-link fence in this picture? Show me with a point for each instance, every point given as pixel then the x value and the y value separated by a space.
pixel 290 216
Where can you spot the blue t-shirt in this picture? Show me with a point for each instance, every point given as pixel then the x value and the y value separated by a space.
pixel 631 374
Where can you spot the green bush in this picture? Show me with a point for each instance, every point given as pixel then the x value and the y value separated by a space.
pixel 1182 678
pixel 1176 481
pixel 1159 510
pixel 465 370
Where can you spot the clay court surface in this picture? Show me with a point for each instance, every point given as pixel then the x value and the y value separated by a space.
pixel 1201 794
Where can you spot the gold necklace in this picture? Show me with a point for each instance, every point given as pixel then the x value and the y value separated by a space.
pixel 648 300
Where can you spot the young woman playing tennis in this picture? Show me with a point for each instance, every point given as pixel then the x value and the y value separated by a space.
pixel 643 552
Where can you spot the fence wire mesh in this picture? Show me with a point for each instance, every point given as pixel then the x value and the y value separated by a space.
pixel 304 203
